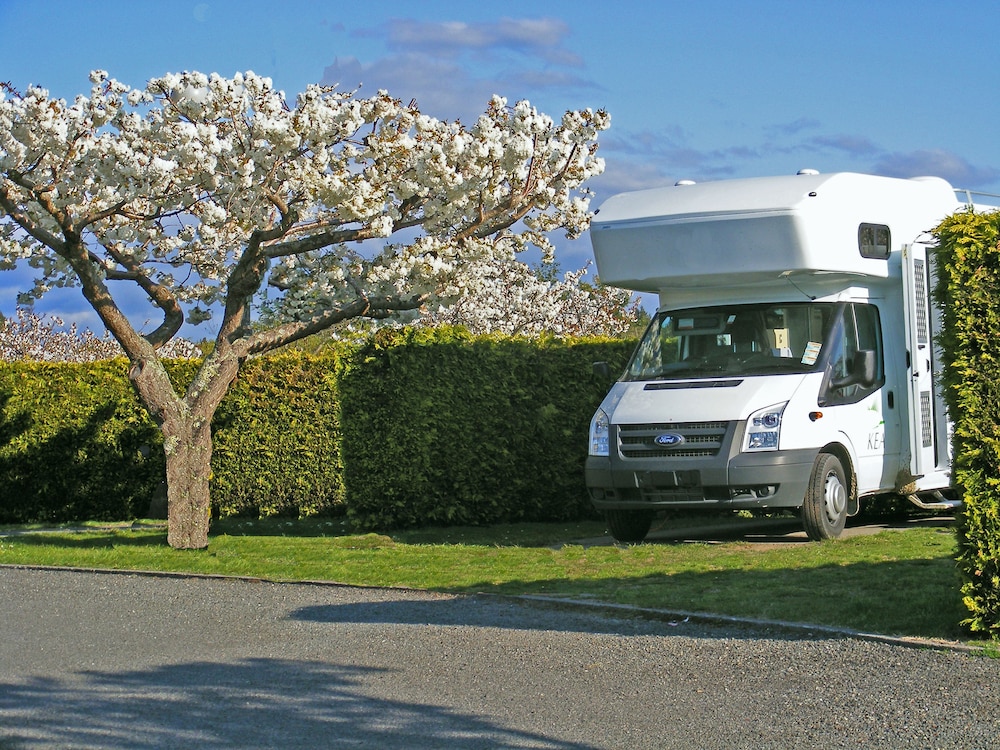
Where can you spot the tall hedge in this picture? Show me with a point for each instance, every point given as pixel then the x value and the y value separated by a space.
pixel 410 428
pixel 441 427
pixel 276 439
pixel 968 290
pixel 74 444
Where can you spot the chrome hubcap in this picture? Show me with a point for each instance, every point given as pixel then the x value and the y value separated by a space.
pixel 835 496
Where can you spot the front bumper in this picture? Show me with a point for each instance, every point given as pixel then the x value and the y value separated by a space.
pixel 728 479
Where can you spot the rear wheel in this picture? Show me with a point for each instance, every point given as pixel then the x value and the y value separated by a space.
pixel 824 508
pixel 629 526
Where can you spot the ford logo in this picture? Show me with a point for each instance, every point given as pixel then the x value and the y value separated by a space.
pixel 669 439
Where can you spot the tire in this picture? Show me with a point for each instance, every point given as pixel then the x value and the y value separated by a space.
pixel 824 508
pixel 629 526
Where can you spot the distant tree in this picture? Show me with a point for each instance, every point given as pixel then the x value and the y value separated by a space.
pixel 202 191
pixel 47 338
pixel 517 299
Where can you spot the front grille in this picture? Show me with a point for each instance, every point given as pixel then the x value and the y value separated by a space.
pixel 701 439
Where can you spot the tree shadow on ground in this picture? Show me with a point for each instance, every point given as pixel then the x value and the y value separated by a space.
pixel 554 616
pixel 254 703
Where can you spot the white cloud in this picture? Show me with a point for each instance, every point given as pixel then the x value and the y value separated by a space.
pixel 453 68
pixel 442 88
pixel 651 158
pixel 795 127
pixel 541 38
pixel 938 163
pixel 851 145
pixel 655 158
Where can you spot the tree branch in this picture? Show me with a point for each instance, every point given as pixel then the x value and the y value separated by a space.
pixel 263 341
pixel 40 234
pixel 163 298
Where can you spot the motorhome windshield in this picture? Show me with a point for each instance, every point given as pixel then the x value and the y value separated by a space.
pixel 733 340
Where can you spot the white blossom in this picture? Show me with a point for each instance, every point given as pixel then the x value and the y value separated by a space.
pixel 200 191
pixel 47 338
pixel 517 300
pixel 203 189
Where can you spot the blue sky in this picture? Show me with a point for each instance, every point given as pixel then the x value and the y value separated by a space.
pixel 700 90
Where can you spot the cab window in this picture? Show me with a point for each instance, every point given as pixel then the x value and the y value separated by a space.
pixel 855 368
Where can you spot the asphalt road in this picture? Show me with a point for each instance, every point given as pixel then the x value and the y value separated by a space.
pixel 113 660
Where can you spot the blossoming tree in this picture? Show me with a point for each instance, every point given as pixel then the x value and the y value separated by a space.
pixel 518 300
pixel 46 338
pixel 209 192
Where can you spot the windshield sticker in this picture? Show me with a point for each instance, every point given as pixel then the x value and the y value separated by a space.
pixel 811 353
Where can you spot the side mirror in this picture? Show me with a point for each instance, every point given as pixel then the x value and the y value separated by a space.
pixel 862 371
pixel 864 367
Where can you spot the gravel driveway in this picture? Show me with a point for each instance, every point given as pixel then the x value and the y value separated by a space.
pixel 113 660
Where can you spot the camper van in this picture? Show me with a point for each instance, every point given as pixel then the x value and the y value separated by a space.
pixel 792 362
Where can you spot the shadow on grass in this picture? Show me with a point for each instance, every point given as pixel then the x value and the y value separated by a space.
pixel 910 597
pixel 279 526
pixel 779 528
pixel 516 534
pixel 917 598
pixel 784 530
pixel 92 539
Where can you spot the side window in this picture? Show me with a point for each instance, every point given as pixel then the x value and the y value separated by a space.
pixel 874 241
pixel 856 365
pixel 648 356
pixel 657 349
pixel 869 329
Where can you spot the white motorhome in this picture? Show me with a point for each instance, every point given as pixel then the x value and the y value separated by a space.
pixel 792 362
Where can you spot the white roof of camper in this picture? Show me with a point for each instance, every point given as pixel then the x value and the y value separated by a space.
pixel 736 233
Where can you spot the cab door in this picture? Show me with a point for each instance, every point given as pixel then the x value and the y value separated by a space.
pixel 855 398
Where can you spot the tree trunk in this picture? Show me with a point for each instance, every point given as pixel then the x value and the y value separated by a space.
pixel 186 425
pixel 189 467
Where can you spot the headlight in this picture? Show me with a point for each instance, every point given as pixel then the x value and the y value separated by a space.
pixel 599 430
pixel 764 428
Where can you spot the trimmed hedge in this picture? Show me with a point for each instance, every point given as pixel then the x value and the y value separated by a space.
pixel 74 444
pixel 415 427
pixel 276 440
pixel 441 427
pixel 968 290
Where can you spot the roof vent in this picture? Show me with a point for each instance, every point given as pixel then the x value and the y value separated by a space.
pixel 808 171
pixel 680 183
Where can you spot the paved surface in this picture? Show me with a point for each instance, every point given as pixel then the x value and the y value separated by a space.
pixel 112 660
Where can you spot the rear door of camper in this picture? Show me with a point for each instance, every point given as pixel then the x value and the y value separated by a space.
pixel 927 420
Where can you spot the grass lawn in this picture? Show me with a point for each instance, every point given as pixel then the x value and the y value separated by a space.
pixel 894 582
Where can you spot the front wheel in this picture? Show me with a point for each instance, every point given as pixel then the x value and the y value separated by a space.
pixel 629 526
pixel 824 508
